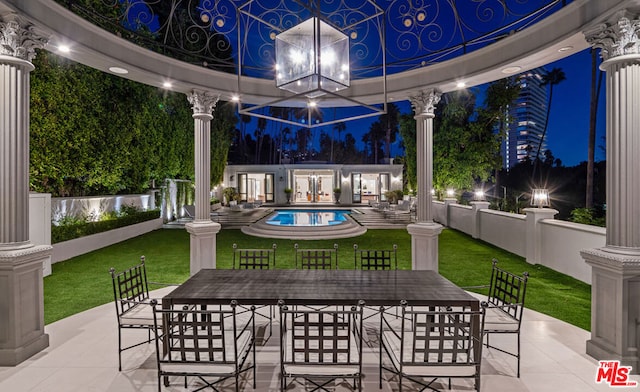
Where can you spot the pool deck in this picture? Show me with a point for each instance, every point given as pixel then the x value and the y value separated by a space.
pixel 363 215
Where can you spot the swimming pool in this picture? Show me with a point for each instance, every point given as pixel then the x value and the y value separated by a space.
pixel 308 218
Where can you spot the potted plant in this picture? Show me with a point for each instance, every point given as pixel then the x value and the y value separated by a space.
pixel 288 192
pixel 230 195
pixel 336 195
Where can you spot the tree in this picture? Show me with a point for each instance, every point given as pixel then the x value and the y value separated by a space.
pixel 374 139
pixel 550 79
pixel 408 133
pixel 464 151
pixel 593 112
pixel 94 133
pixel 222 126
pixel 500 95
pixel 390 121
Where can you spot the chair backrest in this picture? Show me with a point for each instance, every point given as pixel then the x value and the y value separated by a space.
pixel 375 259
pixel 129 286
pixel 507 291
pixel 254 258
pixel 196 336
pixel 327 336
pixel 443 337
pixel 316 258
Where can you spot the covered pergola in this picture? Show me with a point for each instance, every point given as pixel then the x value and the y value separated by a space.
pixel 524 43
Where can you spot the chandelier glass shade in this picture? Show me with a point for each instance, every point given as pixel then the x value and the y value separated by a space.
pixel 312 57
pixel 314 48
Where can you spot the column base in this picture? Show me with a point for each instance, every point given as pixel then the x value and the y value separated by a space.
pixel 202 245
pixel 615 305
pixel 424 245
pixel 22 303
pixel 13 357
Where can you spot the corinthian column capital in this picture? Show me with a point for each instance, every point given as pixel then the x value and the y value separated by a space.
pixel 203 103
pixel 19 38
pixel 424 103
pixel 619 36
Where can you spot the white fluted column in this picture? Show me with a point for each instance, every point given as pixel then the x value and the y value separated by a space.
pixel 21 287
pixel 202 230
pixel 615 290
pixel 424 233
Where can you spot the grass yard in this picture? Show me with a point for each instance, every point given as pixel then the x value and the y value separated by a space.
pixel 83 282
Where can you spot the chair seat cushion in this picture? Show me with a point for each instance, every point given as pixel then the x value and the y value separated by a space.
pixel 138 314
pixel 176 364
pixel 496 319
pixel 431 367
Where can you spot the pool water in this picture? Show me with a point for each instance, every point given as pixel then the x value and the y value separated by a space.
pixel 308 218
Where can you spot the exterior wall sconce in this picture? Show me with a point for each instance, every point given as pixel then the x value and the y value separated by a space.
pixel 540 198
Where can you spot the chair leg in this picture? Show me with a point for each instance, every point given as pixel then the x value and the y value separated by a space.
pixel 380 368
pixel 119 349
pixel 518 357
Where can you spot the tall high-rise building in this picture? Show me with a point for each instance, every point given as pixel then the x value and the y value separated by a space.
pixel 527 120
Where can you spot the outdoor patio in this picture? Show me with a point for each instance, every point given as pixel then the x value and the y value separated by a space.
pixel 82 356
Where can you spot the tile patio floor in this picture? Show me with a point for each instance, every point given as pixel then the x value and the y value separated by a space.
pixel 82 356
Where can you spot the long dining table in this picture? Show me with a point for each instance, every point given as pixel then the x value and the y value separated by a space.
pixel 319 287
pixel 323 287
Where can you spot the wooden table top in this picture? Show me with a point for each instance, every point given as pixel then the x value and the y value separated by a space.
pixel 319 287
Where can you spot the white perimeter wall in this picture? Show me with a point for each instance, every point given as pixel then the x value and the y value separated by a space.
pixel 540 240
pixel 43 208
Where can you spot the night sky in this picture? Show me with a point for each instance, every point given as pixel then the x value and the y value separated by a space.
pixel 567 135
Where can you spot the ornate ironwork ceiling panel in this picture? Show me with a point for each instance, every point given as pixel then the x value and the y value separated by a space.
pixel 417 33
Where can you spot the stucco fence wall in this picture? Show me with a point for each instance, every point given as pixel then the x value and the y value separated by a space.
pixel 535 235
pixel 43 208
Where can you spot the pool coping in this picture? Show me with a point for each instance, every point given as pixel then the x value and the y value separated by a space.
pixel 349 228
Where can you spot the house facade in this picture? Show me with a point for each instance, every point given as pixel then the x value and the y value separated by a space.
pixel 313 183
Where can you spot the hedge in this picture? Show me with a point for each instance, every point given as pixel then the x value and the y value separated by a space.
pixel 69 232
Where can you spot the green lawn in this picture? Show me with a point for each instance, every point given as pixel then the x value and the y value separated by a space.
pixel 84 282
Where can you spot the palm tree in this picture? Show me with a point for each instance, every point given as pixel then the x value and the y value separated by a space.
pixel 552 78
pixel 341 126
pixel 595 94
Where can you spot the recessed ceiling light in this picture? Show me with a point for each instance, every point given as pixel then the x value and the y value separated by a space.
pixel 312 104
pixel 510 70
pixel 461 85
pixel 235 98
pixel 64 48
pixel 167 85
pixel 565 49
pixel 118 70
